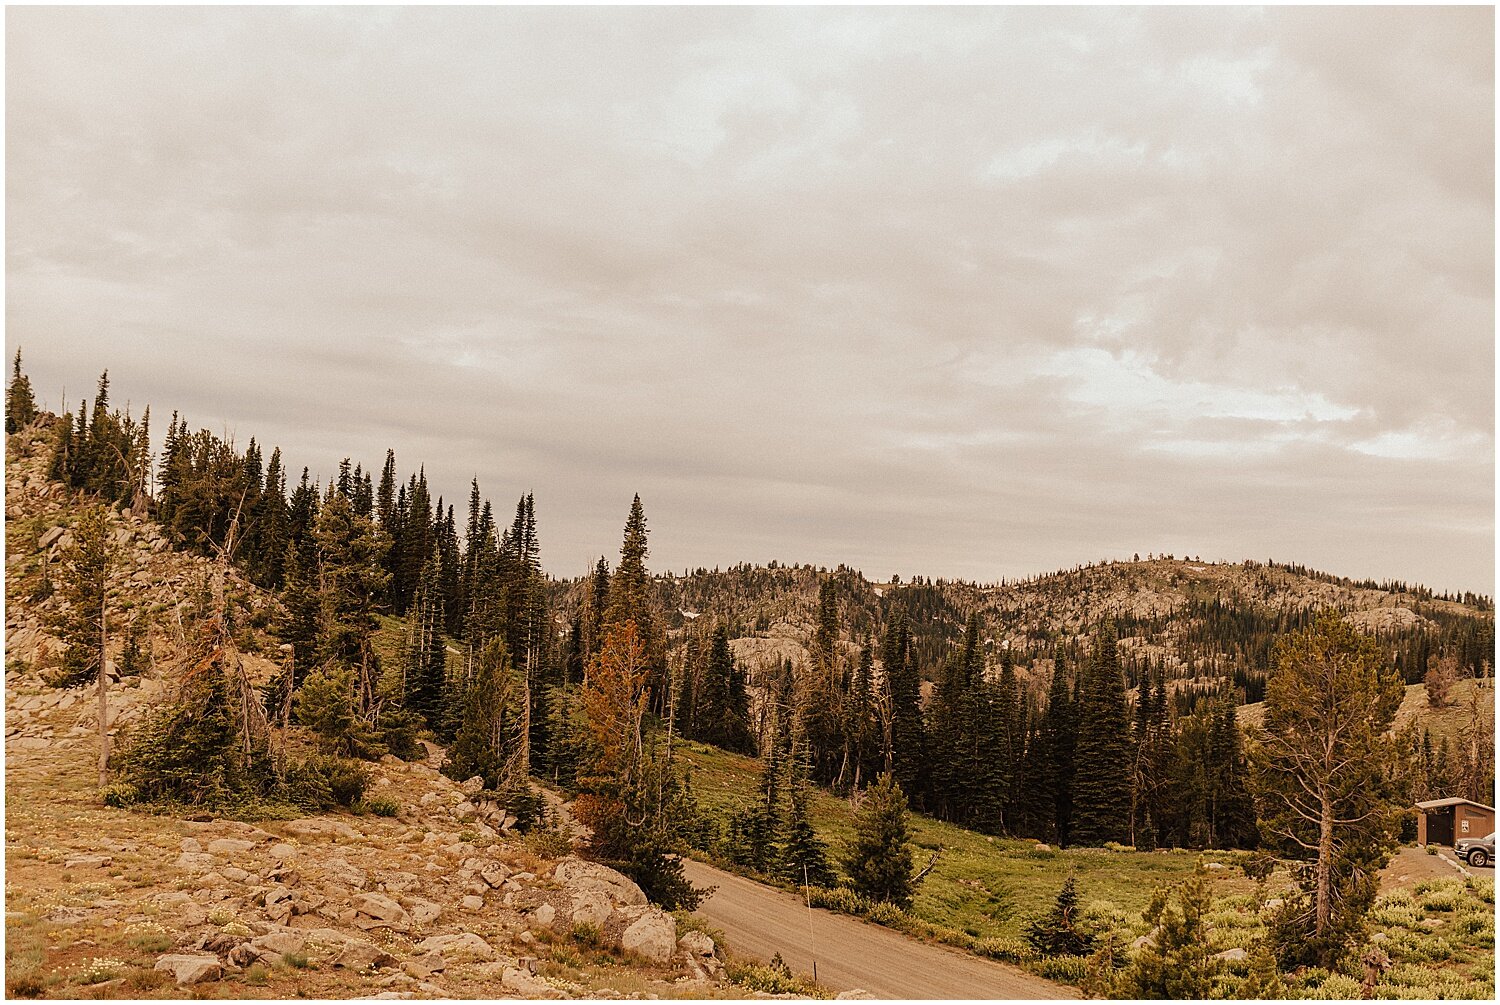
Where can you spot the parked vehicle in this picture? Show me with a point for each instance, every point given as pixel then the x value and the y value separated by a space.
pixel 1477 851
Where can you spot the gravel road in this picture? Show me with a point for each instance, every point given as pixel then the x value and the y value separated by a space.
pixel 759 921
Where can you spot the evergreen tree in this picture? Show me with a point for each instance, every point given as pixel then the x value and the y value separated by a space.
pixel 1330 780
pixel 1176 962
pixel 905 753
pixel 490 739
pixel 879 860
pixel 1101 782
pixel 1060 932
pixel 802 859
pixel 20 405
pixel 81 622
pixel 350 553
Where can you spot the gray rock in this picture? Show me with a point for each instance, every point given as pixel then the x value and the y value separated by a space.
pixel 190 969
pixel 196 861
pixel 470 786
pixel 463 947
pixel 424 966
pixel 652 935
pixel 1230 955
pixel 591 907
pixel 275 945
pixel 576 874
pixel 381 908
pixel 524 985
pixel 363 956
pixel 340 871
pixel 472 903
pixel 423 912
pixel 229 846
pixel 50 538
pixel 87 862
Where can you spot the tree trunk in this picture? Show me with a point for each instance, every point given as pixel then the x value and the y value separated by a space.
pixel 1324 902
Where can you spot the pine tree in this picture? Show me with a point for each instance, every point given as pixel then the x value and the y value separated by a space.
pixel 1101 784
pixel 1060 931
pixel 1176 961
pixel 490 739
pixel 350 553
pixel 879 860
pixel 802 859
pixel 20 404
pixel 1330 780
pixel 84 585
pixel 906 743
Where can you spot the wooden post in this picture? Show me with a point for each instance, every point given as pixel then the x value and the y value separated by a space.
pixel 103 692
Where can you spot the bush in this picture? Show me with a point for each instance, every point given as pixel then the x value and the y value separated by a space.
pixel 383 807
pixel 1065 969
pixel 1339 987
pixel 120 795
pixel 322 782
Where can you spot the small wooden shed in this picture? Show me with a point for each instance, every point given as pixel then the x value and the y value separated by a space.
pixel 1444 821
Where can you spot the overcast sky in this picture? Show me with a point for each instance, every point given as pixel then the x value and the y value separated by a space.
pixel 958 292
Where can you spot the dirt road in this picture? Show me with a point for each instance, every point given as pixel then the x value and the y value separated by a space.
pixel 759 921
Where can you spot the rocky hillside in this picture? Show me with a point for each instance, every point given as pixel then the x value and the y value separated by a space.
pixel 1188 618
pixel 438 899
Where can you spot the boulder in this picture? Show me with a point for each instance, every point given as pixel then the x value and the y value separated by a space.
pixel 282 852
pixel 190 844
pixel 275 945
pixel 50 538
pixel 363 956
pixel 230 846
pixel 590 907
pixel 472 903
pixel 651 935
pixel 382 909
pixel 190 969
pixel 195 861
pixel 423 912
pixel 87 862
pixel 523 985
pixel 1230 955
pixel 576 874
pixel 854 995
pixel 471 787
pixel 341 872
pixel 463 947
pixel 424 966
pixel 544 916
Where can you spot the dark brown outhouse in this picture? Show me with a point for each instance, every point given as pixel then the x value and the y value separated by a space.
pixel 1445 821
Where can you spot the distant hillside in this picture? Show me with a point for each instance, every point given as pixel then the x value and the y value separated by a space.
pixel 1195 621
pixel 1448 722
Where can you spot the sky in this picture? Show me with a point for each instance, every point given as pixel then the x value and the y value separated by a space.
pixel 963 292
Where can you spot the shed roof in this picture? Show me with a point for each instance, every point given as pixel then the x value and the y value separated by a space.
pixel 1442 804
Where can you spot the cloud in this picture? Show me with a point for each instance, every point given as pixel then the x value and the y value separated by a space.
pixel 959 292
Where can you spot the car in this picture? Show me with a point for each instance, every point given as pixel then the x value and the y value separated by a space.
pixel 1477 851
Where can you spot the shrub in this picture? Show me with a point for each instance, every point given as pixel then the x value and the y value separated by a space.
pixel 549 844
pixel 120 795
pixel 98 970
pixel 1066 969
pixel 322 782
pixel 383 807
pixel 1339 987
pixel 24 986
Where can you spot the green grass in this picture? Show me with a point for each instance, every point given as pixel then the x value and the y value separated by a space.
pixel 983 890
pixel 983 886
